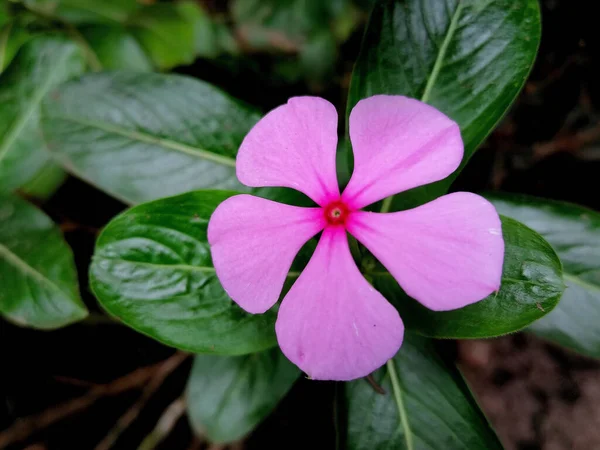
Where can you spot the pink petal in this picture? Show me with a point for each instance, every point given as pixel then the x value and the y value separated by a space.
pixel 399 143
pixel 333 324
pixel 446 254
pixel 293 146
pixel 253 243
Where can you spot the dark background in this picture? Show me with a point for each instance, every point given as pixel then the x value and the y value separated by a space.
pixel 536 395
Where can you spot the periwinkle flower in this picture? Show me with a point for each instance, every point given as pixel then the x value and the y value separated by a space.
pixel 332 323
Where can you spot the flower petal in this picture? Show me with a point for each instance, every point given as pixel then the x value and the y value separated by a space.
pixel 253 243
pixel 446 254
pixel 333 324
pixel 293 146
pixel 399 143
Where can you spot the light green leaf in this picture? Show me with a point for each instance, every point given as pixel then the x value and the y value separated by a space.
pixel 574 232
pixel 45 183
pixel 152 269
pixel 228 396
pixel 211 37
pixel 426 406
pixel 531 287
pixel 468 58
pixel 12 37
pixel 116 48
pixel 37 272
pixel 147 135
pixel 40 65
pixel 165 33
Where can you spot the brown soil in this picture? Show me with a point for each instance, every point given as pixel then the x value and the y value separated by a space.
pixel 536 395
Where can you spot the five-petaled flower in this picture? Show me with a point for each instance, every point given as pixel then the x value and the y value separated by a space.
pixel 332 323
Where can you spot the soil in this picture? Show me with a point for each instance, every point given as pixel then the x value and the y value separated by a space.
pixel 536 395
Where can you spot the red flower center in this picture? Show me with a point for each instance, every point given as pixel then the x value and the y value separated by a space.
pixel 336 213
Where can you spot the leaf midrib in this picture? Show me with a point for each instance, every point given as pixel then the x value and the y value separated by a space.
pixel 186 267
pixel 403 416
pixel 24 267
pixel 149 139
pixel 433 76
pixel 437 65
pixel 17 126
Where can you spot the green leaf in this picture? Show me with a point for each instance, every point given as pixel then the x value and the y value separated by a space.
pixel 40 65
pixel 228 396
pixel 269 23
pixel 574 232
pixel 12 37
pixel 468 58
pixel 88 11
pixel 152 269
pixel 165 33
pixel 37 272
pixel 426 406
pixel 147 135
pixel 531 287
pixel 211 38
pixel 116 48
pixel 4 16
pixel 45 183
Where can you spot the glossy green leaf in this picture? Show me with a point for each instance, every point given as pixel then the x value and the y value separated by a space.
pixel 37 272
pixel 147 135
pixel 165 33
pixel 40 65
pixel 531 287
pixel 574 232
pixel 116 48
pixel 468 58
pixel 152 269
pixel 228 396
pixel 426 406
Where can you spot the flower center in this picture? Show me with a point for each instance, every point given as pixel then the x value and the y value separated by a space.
pixel 336 213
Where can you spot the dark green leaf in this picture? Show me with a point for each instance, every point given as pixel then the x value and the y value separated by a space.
pixel 116 48
pixel 37 272
pixel 165 33
pixel 147 135
pixel 468 58
pixel 574 232
pixel 426 406
pixel 228 396
pixel 40 65
pixel 152 269
pixel 531 287
pixel 4 16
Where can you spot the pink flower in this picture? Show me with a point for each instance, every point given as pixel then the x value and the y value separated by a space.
pixel 332 323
